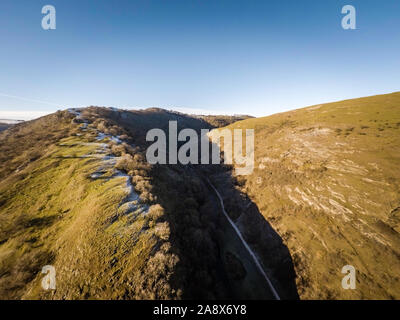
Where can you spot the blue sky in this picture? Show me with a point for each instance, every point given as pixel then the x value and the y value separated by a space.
pixel 211 56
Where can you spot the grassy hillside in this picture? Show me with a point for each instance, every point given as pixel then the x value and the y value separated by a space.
pixel 74 196
pixel 327 178
pixel 63 206
pixel 76 192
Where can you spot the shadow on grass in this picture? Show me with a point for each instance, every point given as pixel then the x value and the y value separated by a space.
pixel 213 261
pixel 266 244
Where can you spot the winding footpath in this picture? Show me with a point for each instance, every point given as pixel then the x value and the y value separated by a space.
pixel 252 254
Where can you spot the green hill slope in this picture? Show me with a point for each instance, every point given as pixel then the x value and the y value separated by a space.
pixel 327 178
pixel 77 193
pixel 67 205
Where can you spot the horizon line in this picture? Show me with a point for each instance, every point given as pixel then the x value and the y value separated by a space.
pixel 26 115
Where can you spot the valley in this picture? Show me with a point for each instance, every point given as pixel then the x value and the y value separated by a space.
pixel 77 193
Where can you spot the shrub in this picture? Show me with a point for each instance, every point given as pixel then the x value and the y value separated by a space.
pixel 155 212
pixel 118 149
pixel 142 186
pixel 162 230
pixel 101 126
pixel 147 197
pixel 125 163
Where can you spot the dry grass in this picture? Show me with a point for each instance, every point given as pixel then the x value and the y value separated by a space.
pixel 326 177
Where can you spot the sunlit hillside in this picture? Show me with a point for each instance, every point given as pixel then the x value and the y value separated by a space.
pixel 77 193
pixel 327 178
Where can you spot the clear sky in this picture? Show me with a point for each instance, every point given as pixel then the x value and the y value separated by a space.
pixel 225 56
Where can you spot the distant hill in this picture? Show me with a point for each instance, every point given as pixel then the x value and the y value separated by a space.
pixel 327 178
pixel 3 126
pixel 6 123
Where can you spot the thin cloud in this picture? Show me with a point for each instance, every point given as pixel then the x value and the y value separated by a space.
pixel 28 99
pixel 22 115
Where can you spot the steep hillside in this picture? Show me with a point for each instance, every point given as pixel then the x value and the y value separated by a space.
pixel 77 193
pixel 327 179
pixel 67 200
